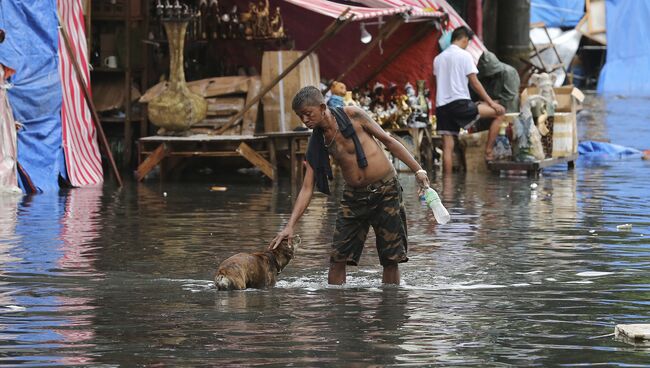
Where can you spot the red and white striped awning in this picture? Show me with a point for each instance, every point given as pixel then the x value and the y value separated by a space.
pixel 475 47
pixel 333 10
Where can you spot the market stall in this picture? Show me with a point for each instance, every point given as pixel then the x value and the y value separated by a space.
pixel 402 31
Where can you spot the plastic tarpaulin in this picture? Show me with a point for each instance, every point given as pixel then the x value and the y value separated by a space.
pixel 31 49
pixel 557 13
pixel 627 69
pixel 606 150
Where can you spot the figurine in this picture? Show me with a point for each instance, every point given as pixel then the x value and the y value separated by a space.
pixel 544 111
pixel 338 92
pixel 365 101
pixel 348 100
pixel 377 96
pixel 248 20
pixel 277 25
pixel 403 110
pixel 213 26
pixel 527 140
pixel 544 82
pixel 262 23
pixel 410 93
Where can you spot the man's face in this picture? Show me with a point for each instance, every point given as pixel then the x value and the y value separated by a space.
pixel 311 116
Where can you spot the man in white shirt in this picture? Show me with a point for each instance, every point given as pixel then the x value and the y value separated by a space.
pixel 454 69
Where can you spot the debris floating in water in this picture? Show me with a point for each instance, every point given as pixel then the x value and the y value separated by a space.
pixel 624 227
pixel 533 186
pixel 592 231
pixel 218 189
pixel 633 331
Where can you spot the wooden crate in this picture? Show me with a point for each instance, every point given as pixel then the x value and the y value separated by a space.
pixel 278 115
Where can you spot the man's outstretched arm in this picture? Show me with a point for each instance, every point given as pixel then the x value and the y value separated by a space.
pixel 302 202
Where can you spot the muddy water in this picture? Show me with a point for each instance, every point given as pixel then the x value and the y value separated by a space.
pixel 106 277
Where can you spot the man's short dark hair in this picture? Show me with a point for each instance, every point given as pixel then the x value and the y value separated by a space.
pixel 461 32
pixel 307 96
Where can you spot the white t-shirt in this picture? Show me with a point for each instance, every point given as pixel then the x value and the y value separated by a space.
pixel 451 69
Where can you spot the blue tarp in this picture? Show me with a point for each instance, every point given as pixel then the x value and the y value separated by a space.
pixel 627 70
pixel 557 13
pixel 606 150
pixel 31 49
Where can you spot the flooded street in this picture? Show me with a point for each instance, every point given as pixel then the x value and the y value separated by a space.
pixel 107 277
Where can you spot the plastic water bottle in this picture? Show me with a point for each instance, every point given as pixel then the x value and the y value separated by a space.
pixel 433 201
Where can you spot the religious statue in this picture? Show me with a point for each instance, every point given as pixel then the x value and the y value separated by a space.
pixel 277 25
pixel 348 100
pixel 544 113
pixel 527 145
pixel 338 92
pixel 262 27
pixel 214 20
pixel 403 110
pixel 203 19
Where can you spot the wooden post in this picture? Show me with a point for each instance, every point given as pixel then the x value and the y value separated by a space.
pixel 384 32
pixel 330 31
pixel 150 162
pixel 273 157
pixel 89 101
pixel 428 27
pixel 256 159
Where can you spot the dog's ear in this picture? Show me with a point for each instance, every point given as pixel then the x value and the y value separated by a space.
pixel 296 241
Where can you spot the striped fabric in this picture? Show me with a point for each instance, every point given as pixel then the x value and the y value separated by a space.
pixel 333 10
pixel 8 153
pixel 475 47
pixel 82 158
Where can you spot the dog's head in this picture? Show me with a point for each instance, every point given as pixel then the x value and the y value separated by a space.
pixel 284 252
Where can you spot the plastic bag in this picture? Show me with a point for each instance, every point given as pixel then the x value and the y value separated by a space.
pixel 502 149
pixel 445 40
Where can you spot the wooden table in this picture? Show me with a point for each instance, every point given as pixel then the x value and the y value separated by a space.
pixel 295 145
pixel 532 168
pixel 260 150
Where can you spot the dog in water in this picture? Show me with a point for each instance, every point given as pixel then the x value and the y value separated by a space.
pixel 255 270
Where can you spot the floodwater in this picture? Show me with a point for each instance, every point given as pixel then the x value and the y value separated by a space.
pixel 106 277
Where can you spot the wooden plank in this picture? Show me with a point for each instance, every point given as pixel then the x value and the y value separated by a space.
pixel 150 162
pixel 256 159
pixel 250 117
pixel 211 154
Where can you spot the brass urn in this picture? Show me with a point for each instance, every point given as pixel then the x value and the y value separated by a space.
pixel 177 108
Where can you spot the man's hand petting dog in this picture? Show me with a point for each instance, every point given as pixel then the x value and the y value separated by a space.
pixel 286 233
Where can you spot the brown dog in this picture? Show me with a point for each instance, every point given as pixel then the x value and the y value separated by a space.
pixel 256 270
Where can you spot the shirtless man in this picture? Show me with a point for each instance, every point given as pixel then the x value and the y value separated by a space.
pixel 372 194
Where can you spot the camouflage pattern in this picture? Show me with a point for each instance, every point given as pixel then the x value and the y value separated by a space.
pixel 377 205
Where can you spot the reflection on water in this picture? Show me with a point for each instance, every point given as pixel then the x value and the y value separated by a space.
pixel 521 276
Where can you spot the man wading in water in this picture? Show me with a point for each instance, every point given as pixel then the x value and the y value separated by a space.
pixel 372 194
